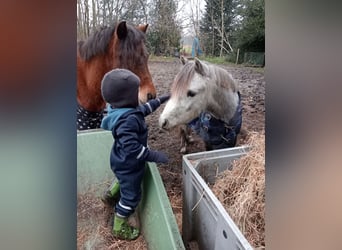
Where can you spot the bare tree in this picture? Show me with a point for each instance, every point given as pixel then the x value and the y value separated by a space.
pixel 144 6
pixel 164 35
pixel 224 39
pixel 216 26
pixel 213 34
pixel 94 14
pixel 86 18
pixel 83 19
pixel 79 19
pixel 222 27
pixel 195 15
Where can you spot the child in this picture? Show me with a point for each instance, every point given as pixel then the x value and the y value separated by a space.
pixel 129 153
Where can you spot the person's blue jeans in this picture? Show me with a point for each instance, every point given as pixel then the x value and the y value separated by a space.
pixel 130 179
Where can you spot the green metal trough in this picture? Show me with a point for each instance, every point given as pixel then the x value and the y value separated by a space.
pixel 158 223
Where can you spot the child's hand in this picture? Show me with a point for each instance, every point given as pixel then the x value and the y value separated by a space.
pixel 163 98
pixel 156 156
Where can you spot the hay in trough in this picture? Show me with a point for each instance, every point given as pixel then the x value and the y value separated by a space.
pixel 94 226
pixel 242 191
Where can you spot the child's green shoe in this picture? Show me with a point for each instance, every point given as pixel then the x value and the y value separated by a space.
pixel 123 230
pixel 112 195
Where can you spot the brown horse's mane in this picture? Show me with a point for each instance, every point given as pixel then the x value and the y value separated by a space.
pixel 98 44
pixel 132 50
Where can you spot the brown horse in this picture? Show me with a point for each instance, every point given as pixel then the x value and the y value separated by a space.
pixel 118 46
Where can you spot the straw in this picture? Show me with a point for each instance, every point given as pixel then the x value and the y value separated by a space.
pixel 242 191
pixel 94 226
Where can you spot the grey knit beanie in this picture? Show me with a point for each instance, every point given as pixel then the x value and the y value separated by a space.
pixel 120 88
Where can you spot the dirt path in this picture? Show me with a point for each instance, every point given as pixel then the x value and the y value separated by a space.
pixel 252 89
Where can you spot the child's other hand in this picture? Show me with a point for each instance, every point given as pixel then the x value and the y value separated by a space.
pixel 157 156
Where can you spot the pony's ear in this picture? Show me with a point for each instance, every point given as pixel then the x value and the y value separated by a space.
pixel 183 60
pixel 199 67
pixel 143 27
pixel 121 30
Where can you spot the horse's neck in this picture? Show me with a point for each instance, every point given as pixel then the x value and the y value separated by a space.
pixel 223 104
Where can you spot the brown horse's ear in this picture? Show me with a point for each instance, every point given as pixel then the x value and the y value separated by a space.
pixel 121 30
pixel 143 27
pixel 183 60
pixel 199 68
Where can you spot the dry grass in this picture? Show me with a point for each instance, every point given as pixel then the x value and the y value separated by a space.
pixel 94 225
pixel 242 191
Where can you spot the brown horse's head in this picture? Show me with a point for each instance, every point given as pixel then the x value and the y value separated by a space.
pixel 117 46
pixel 129 51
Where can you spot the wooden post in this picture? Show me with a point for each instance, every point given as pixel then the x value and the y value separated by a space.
pixel 237 56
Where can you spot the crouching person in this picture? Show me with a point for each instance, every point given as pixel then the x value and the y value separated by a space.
pixel 129 153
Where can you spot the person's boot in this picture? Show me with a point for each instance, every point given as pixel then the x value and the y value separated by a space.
pixel 112 195
pixel 123 230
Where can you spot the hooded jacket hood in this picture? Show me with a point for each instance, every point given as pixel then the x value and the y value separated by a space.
pixel 120 88
pixel 113 115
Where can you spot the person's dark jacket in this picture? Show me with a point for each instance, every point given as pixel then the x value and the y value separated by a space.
pixel 130 136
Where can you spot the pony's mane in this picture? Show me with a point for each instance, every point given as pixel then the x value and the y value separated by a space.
pixel 218 75
pixel 182 79
pixel 97 43
pixel 223 78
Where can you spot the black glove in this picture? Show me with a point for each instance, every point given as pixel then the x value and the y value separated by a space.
pixel 163 98
pixel 156 156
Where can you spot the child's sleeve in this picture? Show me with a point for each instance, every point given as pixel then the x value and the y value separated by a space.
pixel 152 105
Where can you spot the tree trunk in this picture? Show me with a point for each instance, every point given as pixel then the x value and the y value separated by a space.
pixel 94 21
pixel 222 28
pixel 86 18
pixel 79 20
pixel 213 34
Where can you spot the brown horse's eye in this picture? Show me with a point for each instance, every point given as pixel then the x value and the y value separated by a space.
pixel 190 93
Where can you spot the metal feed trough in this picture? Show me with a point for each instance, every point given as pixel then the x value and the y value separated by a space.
pixel 205 220
pixel 158 223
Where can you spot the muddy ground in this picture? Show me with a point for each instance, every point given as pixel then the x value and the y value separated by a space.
pixel 252 88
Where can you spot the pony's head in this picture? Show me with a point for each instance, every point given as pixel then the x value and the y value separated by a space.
pixel 129 52
pixel 188 94
pixel 199 87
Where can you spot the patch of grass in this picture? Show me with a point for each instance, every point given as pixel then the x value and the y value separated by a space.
pixel 154 58
pixel 224 61
pixel 259 69
pixel 217 60
pixel 214 60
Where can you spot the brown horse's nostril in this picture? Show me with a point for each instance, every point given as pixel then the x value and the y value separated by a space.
pixel 165 123
pixel 149 96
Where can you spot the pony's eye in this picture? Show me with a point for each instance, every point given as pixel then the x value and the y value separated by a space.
pixel 190 93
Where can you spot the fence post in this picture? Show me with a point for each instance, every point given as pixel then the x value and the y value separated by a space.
pixel 237 56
